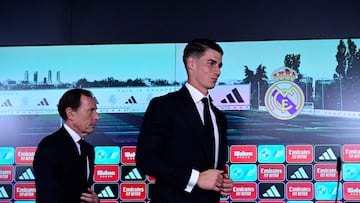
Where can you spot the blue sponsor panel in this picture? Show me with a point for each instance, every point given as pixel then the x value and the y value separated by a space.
pixel 24 202
pixel 271 153
pixel 327 191
pixel 7 155
pixel 351 172
pixel 300 202
pixel 243 172
pixel 6 191
pixel 270 191
pixel 107 155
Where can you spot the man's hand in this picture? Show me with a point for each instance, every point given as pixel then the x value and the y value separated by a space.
pixel 211 179
pixel 90 197
pixel 226 186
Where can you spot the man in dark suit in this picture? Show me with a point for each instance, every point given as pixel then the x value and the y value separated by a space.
pixel 174 146
pixel 62 174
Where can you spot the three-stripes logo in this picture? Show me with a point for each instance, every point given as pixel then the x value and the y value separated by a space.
pixel 24 173
pixel 5 191
pixel 43 102
pixel 131 100
pixel 327 153
pixel 271 190
pixel 299 172
pixel 131 173
pixel 107 191
pixel 230 97
pixel 7 103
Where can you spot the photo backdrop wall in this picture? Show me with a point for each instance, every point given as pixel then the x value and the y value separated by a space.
pixel 292 109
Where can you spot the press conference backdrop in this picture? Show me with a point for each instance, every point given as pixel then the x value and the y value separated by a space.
pixel 293 109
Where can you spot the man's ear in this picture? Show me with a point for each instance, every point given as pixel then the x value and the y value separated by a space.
pixel 190 63
pixel 69 113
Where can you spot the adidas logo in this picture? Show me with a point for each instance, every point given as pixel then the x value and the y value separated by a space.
pixel 43 102
pixel 106 193
pixel 230 97
pixel 328 155
pixel 3 193
pixel 7 103
pixel 131 100
pixel 300 174
pixel 133 175
pixel 272 192
pixel 26 175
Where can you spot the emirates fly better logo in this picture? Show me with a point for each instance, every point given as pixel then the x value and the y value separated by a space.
pixel 284 99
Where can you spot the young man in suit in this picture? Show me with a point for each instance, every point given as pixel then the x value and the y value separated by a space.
pixel 175 147
pixel 61 175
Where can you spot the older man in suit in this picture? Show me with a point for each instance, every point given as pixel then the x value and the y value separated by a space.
pixel 175 146
pixel 64 161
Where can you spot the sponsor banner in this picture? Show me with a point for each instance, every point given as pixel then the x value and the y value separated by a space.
pixel 231 97
pixel 243 154
pixel 271 190
pixel 107 155
pixel 7 155
pixel 351 153
pixel 117 100
pixel 326 172
pixel 6 191
pixel 24 202
pixel 299 172
pixel 108 201
pixel 299 153
pixel 327 153
pixel 131 173
pixel 271 172
pixel 327 191
pixel 244 191
pixel 271 153
pixel 271 202
pixel 24 191
pixel 128 154
pixel 243 172
pixel 24 155
pixel 24 173
pixel 301 202
pixel 351 191
pixel 151 179
pixel 137 202
pixel 106 173
pixel 132 191
pixel 300 190
pixel 6 173
pixel 108 191
pixel 351 172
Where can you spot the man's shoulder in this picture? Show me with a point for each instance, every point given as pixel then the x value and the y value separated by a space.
pixel 54 137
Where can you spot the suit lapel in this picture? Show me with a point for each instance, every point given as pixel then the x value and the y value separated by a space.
pixel 192 116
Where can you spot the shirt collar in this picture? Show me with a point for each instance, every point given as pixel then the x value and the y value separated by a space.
pixel 196 95
pixel 72 133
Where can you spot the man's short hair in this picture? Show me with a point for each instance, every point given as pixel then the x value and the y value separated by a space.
pixel 71 98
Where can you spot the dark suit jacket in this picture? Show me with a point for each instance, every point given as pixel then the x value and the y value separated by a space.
pixel 173 141
pixel 57 169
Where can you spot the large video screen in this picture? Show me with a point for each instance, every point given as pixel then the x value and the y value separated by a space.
pixel 292 106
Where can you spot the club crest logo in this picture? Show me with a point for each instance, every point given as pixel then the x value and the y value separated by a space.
pixel 284 99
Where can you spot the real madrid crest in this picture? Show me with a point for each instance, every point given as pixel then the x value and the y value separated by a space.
pixel 284 99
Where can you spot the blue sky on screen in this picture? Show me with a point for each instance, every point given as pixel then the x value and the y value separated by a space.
pixel 162 61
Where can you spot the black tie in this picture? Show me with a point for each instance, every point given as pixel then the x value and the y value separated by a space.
pixel 83 159
pixel 207 118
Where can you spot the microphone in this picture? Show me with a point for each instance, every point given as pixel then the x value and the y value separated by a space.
pixel 338 165
pixel 338 169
